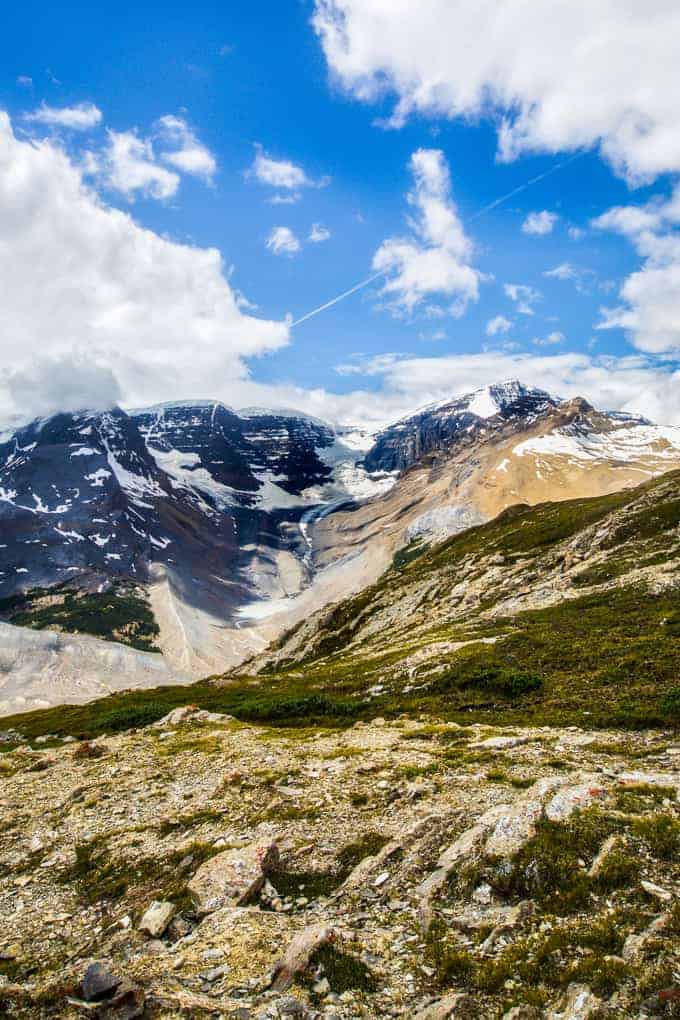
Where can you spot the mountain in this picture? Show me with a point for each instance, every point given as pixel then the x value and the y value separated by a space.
pixel 205 533
pixel 440 426
pixel 453 794
pixel 561 612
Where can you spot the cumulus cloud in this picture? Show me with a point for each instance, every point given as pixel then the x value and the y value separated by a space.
pixel 282 241
pixel 434 260
pixel 70 382
pixel 553 83
pixel 576 233
pixel 81 117
pixel 524 296
pixel 133 314
pixel 128 165
pixel 633 384
pixel 319 233
pixel 499 324
pixel 185 151
pixel 649 311
pixel 282 174
pixel 538 224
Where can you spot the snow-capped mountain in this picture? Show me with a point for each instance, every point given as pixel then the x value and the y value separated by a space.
pixel 236 525
pixel 193 486
pixel 438 426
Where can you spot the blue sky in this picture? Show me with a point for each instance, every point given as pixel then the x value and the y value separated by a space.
pixel 261 75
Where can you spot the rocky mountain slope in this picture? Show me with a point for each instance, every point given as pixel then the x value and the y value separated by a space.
pixel 230 528
pixel 454 794
pixel 206 868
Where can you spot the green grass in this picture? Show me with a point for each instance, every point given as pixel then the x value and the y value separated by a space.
pixel 121 614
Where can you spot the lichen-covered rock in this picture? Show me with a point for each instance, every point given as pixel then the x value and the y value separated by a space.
pixel 232 878
pixel 298 954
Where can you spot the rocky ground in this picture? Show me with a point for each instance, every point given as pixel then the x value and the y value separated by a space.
pixel 202 867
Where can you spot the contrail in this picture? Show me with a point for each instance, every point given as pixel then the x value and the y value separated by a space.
pixel 470 219
pixel 523 187
pixel 334 301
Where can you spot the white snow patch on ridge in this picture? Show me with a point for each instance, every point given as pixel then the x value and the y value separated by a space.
pixel 625 444
pixel 483 404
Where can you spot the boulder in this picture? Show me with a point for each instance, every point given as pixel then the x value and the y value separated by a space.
pixel 190 713
pixel 98 983
pixel 298 954
pixel 232 878
pixel 157 917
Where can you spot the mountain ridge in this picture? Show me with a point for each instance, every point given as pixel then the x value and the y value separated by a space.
pixel 235 528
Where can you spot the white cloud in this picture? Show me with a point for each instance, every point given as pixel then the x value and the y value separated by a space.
pixel 499 324
pixel 90 302
pixel 550 340
pixel 576 233
pixel 282 241
pixel 290 199
pixel 434 261
pixel 565 271
pixel 185 152
pixel 539 224
pixel 650 297
pixel 128 165
pixel 319 233
pixel 81 117
pixel 524 296
pixel 593 72
pixel 634 384
pixel 583 279
pixel 25 81
pixel 282 173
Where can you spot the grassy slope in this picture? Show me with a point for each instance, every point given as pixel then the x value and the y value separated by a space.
pixel 607 657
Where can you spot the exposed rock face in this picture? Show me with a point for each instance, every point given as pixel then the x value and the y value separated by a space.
pixel 440 427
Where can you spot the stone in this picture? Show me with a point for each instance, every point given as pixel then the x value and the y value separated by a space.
pixel 190 713
pixel 232 878
pixel 456 1006
pixel 499 743
pixel 291 1007
pixel 157 917
pixel 571 799
pixel 579 1004
pixel 523 1012
pixel 298 954
pixel 98 983
pixel 610 845
pixel 215 973
pixel 127 1003
pixel 655 890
